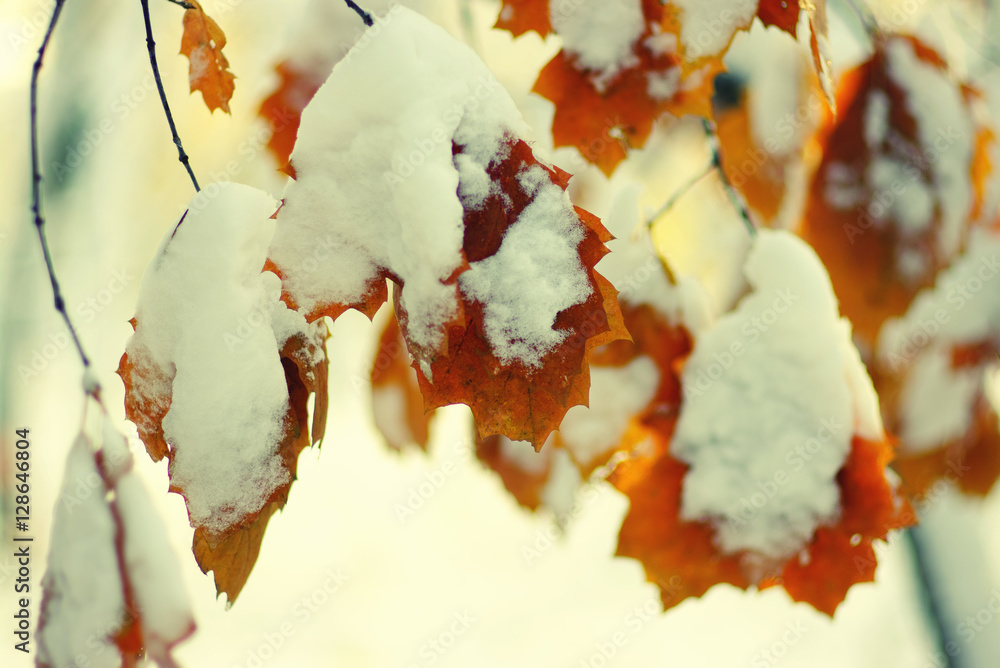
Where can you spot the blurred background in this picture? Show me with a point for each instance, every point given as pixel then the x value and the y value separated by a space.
pixel 471 578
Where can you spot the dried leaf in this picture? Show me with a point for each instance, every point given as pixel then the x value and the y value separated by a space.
pixel 396 400
pixel 605 117
pixel 202 43
pixel 282 109
pixel 521 402
pixel 878 175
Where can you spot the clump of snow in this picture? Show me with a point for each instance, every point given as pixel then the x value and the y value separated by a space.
pixel 84 586
pixel 600 35
pixel 774 67
pixel 936 401
pixel 773 395
pixel 842 187
pixel 84 601
pixel 534 275
pixel 522 454
pixel 876 119
pixel 913 208
pixel 560 490
pixel 708 25
pixel 616 395
pixel 663 85
pixel 962 308
pixel 208 318
pixel 153 569
pixel 636 270
pixel 376 178
pixel 946 134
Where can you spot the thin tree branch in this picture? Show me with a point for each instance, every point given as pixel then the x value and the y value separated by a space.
pixel 680 192
pixel 931 602
pixel 734 196
pixel 365 16
pixel 151 47
pixel 36 183
pixel 715 164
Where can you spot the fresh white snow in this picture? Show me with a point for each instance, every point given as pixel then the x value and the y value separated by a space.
pixel 600 35
pixel 205 318
pixel 773 395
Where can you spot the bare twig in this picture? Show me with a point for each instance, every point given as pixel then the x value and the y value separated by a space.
pixel 151 46
pixel 36 183
pixel 365 16
pixel 680 192
pixel 932 604
pixel 714 165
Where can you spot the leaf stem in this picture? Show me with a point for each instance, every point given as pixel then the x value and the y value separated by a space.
pixel 714 165
pixel 365 16
pixel 36 190
pixel 151 47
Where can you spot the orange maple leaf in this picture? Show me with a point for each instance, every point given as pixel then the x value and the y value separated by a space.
pixel 842 555
pixel 232 553
pixel 604 120
pixel 875 261
pixel 520 402
pixel 202 43
pixel 282 109
pixel 971 460
pixel 520 16
pixel 682 558
pixel 525 484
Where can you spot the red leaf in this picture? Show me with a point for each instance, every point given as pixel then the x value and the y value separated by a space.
pixel 514 399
